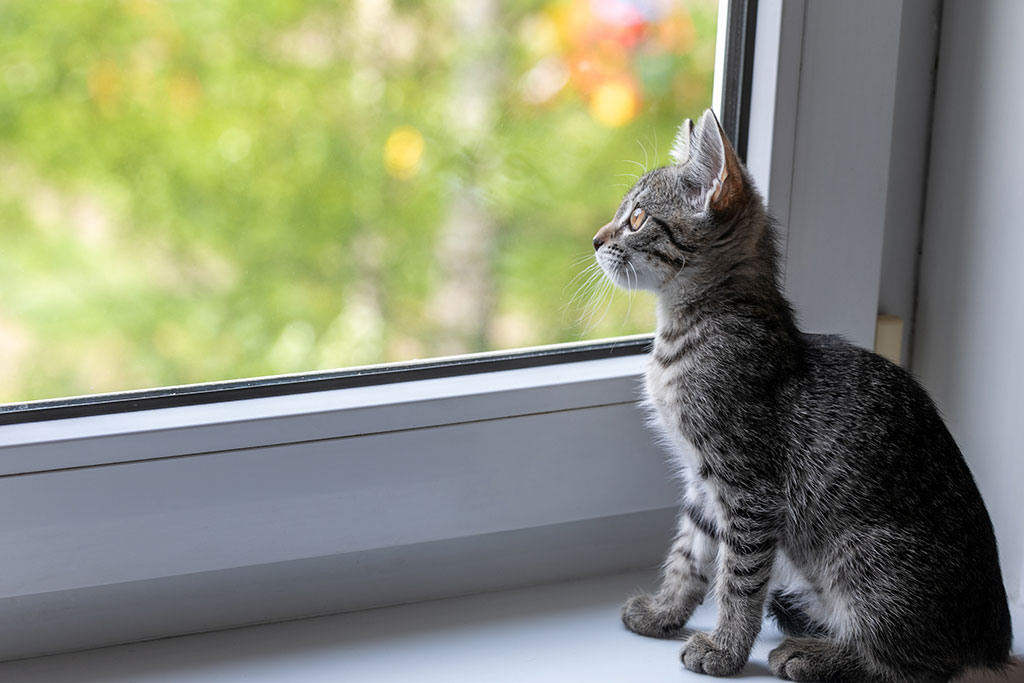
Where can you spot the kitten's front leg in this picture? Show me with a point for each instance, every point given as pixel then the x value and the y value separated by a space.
pixel 746 557
pixel 684 583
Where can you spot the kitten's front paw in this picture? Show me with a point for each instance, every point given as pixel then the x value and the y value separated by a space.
pixel 701 655
pixel 642 614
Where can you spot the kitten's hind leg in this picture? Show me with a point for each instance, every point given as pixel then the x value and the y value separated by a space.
pixel 684 584
pixel 818 659
pixel 792 618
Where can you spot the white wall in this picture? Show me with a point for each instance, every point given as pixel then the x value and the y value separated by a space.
pixel 841 103
pixel 969 339
pixel 845 116
pixel 911 133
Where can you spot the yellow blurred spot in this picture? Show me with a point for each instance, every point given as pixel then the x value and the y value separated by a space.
pixel 614 103
pixel 141 7
pixel 403 152
pixel 184 91
pixel 540 33
pixel 104 84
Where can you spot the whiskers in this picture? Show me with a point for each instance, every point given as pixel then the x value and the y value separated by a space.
pixel 595 293
pixel 643 167
pixel 634 176
pixel 647 161
pixel 631 174
pixel 589 280
pixel 632 284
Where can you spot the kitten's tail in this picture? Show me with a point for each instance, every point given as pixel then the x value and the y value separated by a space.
pixel 1010 671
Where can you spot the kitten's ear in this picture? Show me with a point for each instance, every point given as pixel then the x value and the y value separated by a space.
pixel 680 152
pixel 713 166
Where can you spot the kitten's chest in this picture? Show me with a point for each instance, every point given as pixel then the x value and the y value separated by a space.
pixel 674 419
pixel 670 401
pixel 676 381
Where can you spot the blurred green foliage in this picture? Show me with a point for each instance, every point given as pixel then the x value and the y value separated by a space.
pixel 212 189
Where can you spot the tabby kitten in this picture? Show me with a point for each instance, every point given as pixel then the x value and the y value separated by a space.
pixel 819 481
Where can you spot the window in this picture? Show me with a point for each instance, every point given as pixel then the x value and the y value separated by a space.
pixel 166 517
pixel 194 192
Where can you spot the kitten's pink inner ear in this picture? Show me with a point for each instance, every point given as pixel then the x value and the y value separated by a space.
pixel 719 185
pixel 729 186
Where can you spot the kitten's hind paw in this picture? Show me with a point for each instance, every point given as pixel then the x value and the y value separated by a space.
pixel 814 659
pixel 701 655
pixel 644 615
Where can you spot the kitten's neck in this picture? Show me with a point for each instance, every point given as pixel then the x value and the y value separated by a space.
pixel 747 286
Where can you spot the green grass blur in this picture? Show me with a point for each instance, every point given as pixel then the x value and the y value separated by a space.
pixel 204 190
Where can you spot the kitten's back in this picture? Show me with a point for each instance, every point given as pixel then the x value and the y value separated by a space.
pixel 873 461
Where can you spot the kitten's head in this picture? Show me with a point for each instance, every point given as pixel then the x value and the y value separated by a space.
pixel 680 217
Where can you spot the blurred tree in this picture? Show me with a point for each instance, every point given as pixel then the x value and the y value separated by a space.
pixel 195 191
pixel 464 297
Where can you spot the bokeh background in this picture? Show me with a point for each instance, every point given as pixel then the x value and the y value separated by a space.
pixel 200 190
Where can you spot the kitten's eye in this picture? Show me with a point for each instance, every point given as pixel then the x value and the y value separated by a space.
pixel 637 218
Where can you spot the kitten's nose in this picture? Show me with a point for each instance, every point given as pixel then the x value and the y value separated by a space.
pixel 598 242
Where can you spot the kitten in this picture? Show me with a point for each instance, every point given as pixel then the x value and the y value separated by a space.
pixel 819 481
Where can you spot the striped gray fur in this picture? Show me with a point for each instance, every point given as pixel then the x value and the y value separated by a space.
pixel 818 480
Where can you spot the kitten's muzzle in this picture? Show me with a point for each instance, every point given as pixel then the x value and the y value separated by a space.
pixel 603 235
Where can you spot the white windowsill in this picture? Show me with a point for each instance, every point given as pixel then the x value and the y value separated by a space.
pixel 558 632
pixel 190 519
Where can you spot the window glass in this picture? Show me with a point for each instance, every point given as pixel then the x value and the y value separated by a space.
pixel 204 190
